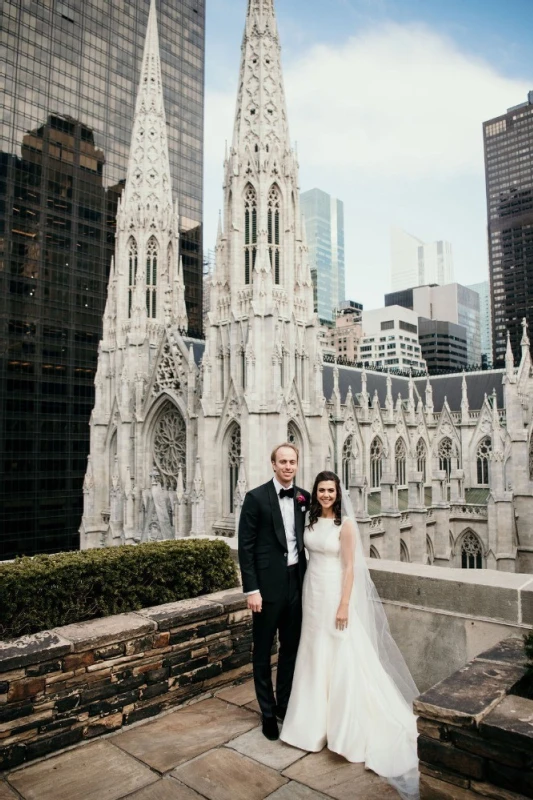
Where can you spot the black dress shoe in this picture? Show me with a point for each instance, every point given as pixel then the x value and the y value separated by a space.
pixel 270 728
pixel 281 712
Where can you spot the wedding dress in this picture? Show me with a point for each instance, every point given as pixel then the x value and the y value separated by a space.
pixel 351 687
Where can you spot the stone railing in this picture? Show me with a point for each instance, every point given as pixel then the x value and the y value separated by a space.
pixel 466 510
pixel 405 521
pixel 73 683
pixel 475 732
pixel 375 525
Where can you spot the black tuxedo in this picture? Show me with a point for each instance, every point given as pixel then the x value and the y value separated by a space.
pixel 263 554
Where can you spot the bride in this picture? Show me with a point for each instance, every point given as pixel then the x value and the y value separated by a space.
pixel 352 689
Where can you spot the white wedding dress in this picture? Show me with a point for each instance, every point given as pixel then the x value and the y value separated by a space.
pixel 341 694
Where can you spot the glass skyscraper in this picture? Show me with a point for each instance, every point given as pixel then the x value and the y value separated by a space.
pixel 324 225
pixel 69 80
pixel 509 179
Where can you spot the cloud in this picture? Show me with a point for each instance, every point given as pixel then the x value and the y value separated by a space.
pixel 390 122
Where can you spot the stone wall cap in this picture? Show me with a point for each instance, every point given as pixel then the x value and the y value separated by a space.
pixel 508 651
pixel 511 723
pixel 32 649
pixel 172 615
pixel 105 630
pixel 482 577
pixel 468 695
pixel 231 599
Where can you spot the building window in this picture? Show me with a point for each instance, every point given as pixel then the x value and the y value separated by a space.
pixel 250 232
pixel 170 447
pixel 421 459
pixel 132 264
pixel 400 454
pixel 151 278
pixel 404 552
pixel 376 463
pixel 234 457
pixel 471 552
pixel 445 453
pixel 482 459
pixel 347 461
pixel 274 209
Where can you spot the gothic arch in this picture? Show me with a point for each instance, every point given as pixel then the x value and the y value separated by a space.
pixel 347 461
pixel 404 552
pixel 133 263
pixel 232 450
pixel 158 407
pixel 400 460
pixel 376 462
pixel 152 258
pixel 430 552
pixel 250 231
pixel 294 436
pixel 168 452
pixel 470 550
pixel 274 207
pixel 374 552
pixel 446 451
pixel 483 453
pixel 422 458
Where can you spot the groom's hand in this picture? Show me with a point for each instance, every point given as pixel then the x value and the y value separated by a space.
pixel 255 602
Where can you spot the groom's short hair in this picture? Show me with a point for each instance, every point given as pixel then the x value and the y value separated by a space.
pixel 285 444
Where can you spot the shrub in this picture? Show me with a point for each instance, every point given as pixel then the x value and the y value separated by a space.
pixel 51 590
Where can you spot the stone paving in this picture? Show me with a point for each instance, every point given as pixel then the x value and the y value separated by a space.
pixel 210 750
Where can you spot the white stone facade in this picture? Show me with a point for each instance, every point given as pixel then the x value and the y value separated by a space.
pixel 181 428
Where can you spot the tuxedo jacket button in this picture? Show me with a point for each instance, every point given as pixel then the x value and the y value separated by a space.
pixel 285 554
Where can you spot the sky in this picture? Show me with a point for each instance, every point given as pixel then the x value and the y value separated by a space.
pixel 386 100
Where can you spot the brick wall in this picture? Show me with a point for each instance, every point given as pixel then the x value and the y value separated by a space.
pixel 80 681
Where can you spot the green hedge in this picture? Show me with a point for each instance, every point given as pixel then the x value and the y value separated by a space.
pixel 46 591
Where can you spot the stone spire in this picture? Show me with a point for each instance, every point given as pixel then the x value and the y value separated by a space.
pixel 509 361
pixel 261 115
pixel 524 344
pixel 465 406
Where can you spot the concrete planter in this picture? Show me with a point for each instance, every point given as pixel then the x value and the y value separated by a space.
pixel 475 732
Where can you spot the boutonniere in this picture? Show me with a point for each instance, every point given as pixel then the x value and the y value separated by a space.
pixel 300 499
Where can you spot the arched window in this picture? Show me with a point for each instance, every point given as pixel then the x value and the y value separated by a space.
pixel 373 552
pixel 376 463
pixel 274 209
pixel 400 454
pixel 170 446
pixel 250 232
pixel 445 453
pixel 421 459
pixel 234 455
pixel 347 456
pixel 243 367
pixel 404 552
pixel 151 278
pixel 132 272
pixel 430 553
pixel 482 460
pixel 471 552
pixel 531 458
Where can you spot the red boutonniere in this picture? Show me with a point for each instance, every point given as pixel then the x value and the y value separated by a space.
pixel 300 499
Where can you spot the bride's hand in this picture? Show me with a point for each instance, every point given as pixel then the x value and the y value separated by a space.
pixel 341 620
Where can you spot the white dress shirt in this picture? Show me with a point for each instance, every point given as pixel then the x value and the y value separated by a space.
pixel 287 512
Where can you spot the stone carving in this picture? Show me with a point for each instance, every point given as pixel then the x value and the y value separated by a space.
pixel 170 446
pixel 170 371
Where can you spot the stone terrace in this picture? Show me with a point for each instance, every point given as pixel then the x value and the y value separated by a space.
pixel 212 748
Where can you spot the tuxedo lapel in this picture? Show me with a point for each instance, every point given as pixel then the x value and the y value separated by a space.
pixel 299 520
pixel 277 519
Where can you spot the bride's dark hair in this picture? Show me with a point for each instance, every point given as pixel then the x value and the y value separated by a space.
pixel 315 510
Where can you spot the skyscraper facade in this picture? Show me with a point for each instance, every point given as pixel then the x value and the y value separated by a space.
pixel 324 224
pixel 416 263
pixel 508 141
pixel 485 320
pixel 70 75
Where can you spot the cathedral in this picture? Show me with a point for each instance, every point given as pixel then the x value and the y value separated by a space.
pixel 440 470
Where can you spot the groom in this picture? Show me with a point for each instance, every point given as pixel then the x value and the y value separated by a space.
pixel 272 561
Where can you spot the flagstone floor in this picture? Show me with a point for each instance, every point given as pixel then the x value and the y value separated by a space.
pixel 210 750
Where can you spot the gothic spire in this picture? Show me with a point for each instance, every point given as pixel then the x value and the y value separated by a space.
pixel 148 186
pixel 261 114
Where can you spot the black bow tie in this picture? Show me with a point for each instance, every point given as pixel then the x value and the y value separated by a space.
pixel 286 493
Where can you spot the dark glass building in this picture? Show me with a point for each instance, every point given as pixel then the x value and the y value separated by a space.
pixel 443 345
pixel 70 78
pixel 508 141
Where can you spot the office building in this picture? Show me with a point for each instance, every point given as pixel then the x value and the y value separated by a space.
pixel 415 263
pixel 324 226
pixel 70 74
pixel 390 339
pixel 508 141
pixel 346 334
pixel 449 303
pixel 443 345
pixel 483 290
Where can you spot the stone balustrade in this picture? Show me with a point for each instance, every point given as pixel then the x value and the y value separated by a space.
pixel 70 684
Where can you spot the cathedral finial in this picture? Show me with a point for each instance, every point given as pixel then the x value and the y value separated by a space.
pixel 525 338
pixel 465 406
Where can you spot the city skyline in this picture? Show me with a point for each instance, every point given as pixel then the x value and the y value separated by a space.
pixel 422 171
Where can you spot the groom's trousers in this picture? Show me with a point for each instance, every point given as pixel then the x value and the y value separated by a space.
pixel 284 615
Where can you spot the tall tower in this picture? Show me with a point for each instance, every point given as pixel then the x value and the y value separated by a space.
pixel 262 366
pixel 509 181
pixel 142 357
